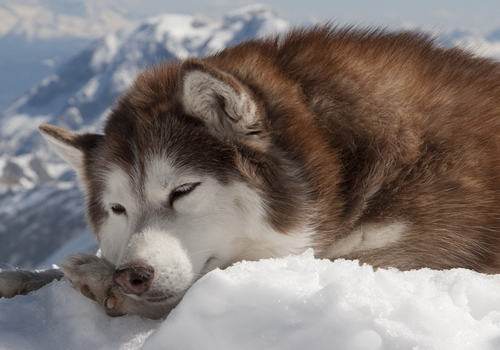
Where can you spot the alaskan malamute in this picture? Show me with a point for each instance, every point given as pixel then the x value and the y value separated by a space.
pixel 360 144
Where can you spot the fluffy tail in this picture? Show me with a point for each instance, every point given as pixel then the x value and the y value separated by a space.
pixel 15 282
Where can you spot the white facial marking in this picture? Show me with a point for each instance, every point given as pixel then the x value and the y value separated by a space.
pixel 173 270
pixel 367 237
pixel 212 226
pixel 258 239
pixel 160 176
pixel 114 234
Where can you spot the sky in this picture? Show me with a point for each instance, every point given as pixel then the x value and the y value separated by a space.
pixel 481 16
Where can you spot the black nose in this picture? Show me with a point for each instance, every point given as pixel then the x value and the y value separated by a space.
pixel 134 279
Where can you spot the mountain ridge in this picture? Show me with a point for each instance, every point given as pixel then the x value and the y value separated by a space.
pixel 35 20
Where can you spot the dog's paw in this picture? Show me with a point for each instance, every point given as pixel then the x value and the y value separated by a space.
pixel 115 303
pixel 93 277
pixel 88 273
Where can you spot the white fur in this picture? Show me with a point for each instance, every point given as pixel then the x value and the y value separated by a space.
pixel 159 177
pixel 213 226
pixel 118 190
pixel 199 99
pixel 164 252
pixel 162 178
pixel 70 154
pixel 367 237
pixel 258 239
pixel 67 152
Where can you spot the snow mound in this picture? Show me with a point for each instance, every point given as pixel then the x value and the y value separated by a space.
pixel 296 302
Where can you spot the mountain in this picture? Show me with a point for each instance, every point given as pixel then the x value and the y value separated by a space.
pixel 81 91
pixel 56 18
pixel 24 62
pixel 40 206
pixel 36 36
pixel 484 45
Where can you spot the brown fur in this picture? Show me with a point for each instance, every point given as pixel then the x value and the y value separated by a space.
pixel 357 127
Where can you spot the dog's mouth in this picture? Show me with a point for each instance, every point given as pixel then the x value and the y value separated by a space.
pixel 168 298
pixel 157 297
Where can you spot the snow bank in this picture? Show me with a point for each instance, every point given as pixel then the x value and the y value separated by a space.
pixel 292 303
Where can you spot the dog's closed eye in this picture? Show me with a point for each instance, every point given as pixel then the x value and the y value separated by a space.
pixel 182 190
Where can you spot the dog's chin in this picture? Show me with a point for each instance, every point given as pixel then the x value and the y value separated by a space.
pixel 160 298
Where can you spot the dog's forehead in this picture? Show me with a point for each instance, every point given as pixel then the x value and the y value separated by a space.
pixel 150 181
pixel 133 138
pixel 143 151
pixel 160 177
pixel 150 170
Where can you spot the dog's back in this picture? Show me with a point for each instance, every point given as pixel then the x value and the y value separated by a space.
pixel 399 141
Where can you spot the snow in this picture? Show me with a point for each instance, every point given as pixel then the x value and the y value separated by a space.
pixel 88 91
pixel 22 172
pixel 296 302
pixel 481 46
pixel 106 52
pixel 23 123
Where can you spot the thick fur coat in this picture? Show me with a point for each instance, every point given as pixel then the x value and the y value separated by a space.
pixel 382 147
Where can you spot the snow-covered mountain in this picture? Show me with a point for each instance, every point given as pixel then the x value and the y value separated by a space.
pixel 36 36
pixel 40 207
pixel 484 45
pixel 55 19
pixel 82 89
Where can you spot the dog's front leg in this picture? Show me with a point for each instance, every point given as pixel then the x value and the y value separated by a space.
pixel 93 277
pixel 19 282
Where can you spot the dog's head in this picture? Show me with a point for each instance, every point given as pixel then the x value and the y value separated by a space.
pixel 183 180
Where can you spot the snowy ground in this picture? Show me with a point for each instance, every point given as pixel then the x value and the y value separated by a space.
pixel 293 303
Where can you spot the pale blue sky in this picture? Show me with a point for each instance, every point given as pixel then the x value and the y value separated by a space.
pixel 479 15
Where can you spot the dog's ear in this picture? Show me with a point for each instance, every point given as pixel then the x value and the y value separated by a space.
pixel 70 146
pixel 227 106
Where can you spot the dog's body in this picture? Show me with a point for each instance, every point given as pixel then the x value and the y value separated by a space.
pixel 367 145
